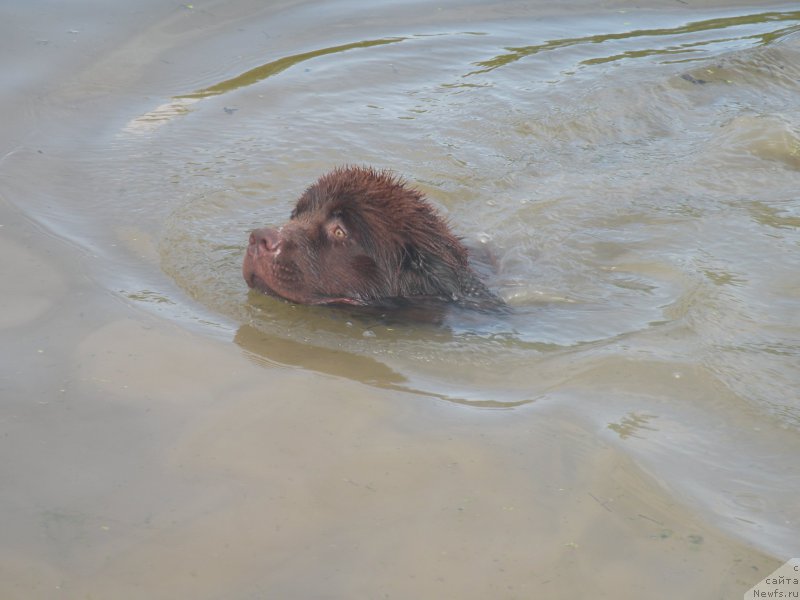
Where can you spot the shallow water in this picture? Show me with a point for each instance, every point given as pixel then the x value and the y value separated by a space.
pixel 631 180
pixel 635 172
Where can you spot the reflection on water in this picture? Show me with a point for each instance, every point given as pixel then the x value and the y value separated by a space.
pixel 674 34
pixel 773 217
pixel 633 425
pixel 277 66
pixel 287 352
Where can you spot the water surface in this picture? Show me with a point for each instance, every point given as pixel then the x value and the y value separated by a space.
pixel 634 172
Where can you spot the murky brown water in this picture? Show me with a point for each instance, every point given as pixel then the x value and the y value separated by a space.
pixel 629 430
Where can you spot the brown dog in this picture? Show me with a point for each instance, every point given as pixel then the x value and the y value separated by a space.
pixel 360 236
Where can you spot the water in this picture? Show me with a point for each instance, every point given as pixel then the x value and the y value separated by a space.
pixel 635 173
pixel 632 182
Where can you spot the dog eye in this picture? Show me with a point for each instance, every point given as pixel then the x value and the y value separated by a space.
pixel 339 233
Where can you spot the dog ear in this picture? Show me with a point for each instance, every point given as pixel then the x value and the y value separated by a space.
pixel 427 274
pixel 435 276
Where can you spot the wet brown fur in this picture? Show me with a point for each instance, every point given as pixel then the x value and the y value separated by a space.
pixel 359 236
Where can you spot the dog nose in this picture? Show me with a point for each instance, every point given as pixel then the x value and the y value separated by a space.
pixel 266 240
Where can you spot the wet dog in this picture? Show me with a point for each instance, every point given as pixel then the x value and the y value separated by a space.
pixel 363 237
